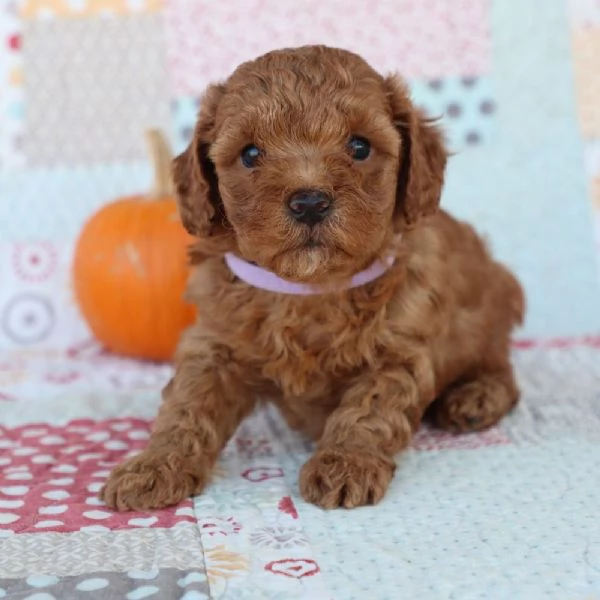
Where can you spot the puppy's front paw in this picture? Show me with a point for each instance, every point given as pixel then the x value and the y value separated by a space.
pixel 333 478
pixel 152 481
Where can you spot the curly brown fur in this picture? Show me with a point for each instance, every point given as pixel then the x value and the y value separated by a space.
pixel 358 369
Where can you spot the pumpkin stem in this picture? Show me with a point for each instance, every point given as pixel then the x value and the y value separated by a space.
pixel 161 157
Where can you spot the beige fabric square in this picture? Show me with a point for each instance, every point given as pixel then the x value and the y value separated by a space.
pixel 92 86
pixel 586 55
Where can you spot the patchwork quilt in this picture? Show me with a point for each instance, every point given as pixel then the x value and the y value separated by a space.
pixel 509 513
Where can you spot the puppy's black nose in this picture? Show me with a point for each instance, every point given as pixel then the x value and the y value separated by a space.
pixel 309 206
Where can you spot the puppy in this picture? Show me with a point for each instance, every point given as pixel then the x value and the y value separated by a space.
pixel 327 281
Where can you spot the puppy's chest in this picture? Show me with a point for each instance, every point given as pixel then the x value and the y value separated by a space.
pixel 307 350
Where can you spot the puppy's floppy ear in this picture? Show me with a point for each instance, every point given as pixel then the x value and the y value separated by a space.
pixel 423 161
pixel 194 175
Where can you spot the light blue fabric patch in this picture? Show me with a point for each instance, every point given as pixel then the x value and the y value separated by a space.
pixel 33 206
pixel 185 112
pixel 526 189
pixel 508 522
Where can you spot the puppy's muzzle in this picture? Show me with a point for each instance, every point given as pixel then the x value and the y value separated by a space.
pixel 309 206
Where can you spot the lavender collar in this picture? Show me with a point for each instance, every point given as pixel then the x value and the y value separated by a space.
pixel 267 280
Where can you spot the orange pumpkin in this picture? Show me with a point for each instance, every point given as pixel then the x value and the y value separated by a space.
pixel 130 268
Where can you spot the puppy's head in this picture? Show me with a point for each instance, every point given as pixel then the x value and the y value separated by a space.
pixel 308 161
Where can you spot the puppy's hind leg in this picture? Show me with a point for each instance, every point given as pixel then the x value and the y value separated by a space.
pixel 477 401
pixel 487 391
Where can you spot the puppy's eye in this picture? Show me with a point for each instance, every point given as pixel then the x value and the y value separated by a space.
pixel 250 155
pixel 359 148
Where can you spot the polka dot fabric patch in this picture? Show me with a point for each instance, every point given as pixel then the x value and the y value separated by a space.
pixel 466 107
pixel 131 585
pixel 50 478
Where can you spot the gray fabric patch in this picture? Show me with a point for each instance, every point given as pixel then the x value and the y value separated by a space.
pixel 93 86
pixel 161 584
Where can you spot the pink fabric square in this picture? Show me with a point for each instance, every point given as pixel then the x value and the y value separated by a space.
pixel 418 38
